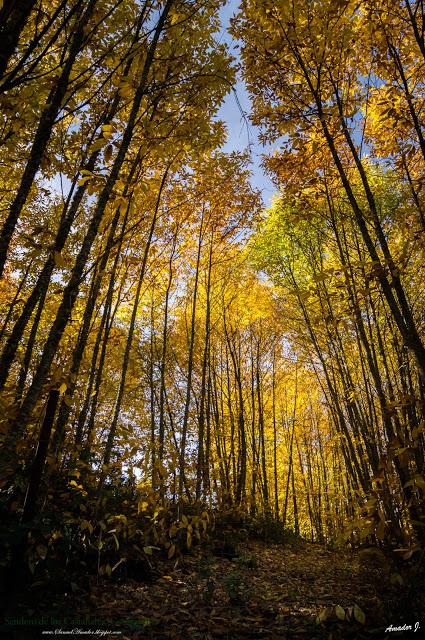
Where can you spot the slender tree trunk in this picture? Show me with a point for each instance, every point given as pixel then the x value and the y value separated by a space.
pixel 261 431
pixel 254 464
pixel 185 423
pixel 399 307
pixel 83 433
pixel 29 348
pixel 295 503
pixel 200 467
pixel 241 474
pixel 30 504
pixel 13 17
pixel 294 414
pixel 154 473
pixel 275 476
pixel 161 429
pixel 43 133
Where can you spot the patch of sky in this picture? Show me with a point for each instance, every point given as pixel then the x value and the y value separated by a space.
pixel 242 135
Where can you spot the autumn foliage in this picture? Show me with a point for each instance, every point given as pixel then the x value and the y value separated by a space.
pixel 170 349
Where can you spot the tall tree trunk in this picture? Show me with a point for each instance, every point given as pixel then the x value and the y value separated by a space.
pixel 43 133
pixel 290 461
pixel 13 17
pixel 185 423
pixel 261 431
pixel 275 476
pixel 30 504
pixel 154 470
pixel 161 428
pixel 200 466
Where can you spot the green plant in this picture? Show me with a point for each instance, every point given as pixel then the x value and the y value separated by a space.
pixel 247 561
pixel 208 592
pixel 232 585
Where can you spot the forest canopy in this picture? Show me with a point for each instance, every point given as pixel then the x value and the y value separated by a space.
pixel 171 347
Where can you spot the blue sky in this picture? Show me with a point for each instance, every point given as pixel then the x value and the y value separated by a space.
pixel 241 133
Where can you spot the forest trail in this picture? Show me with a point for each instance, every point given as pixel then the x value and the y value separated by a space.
pixel 268 591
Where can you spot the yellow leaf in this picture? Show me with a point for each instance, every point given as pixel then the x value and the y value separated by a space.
pixel 359 615
pixel 98 144
pixel 322 616
pixel 320 277
pixel 339 612
pixel 125 90
pixel 59 261
pixel 62 388
pixel 143 506
pixel 380 530
pixel 82 181
pixel 107 154
pixel 107 130
pixel 123 207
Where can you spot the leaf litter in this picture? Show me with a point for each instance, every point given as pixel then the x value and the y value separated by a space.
pixel 267 591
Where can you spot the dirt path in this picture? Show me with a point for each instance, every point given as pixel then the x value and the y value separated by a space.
pixel 269 591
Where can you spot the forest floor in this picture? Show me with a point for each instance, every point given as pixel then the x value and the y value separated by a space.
pixel 268 591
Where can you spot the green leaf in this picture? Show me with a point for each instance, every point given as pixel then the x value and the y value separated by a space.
pixel 41 551
pixel 116 541
pixel 396 578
